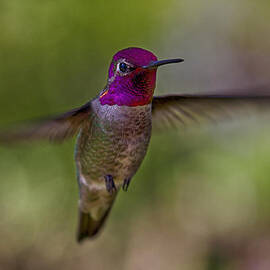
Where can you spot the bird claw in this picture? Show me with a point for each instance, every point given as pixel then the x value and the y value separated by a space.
pixel 126 184
pixel 110 186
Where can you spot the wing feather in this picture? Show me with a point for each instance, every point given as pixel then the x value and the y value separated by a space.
pixel 55 129
pixel 185 110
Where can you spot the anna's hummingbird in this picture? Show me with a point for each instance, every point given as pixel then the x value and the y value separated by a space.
pixel 114 129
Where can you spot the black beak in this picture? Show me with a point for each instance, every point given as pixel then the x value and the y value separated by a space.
pixel 156 64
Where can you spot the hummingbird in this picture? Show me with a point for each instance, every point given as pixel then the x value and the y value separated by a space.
pixel 114 129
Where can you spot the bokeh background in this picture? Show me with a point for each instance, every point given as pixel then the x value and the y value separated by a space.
pixel 201 199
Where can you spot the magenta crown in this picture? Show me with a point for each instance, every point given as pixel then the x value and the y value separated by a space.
pixel 137 56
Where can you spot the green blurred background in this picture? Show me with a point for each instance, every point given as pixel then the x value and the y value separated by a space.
pixel 201 199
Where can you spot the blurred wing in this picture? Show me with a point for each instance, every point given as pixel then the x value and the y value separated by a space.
pixel 55 129
pixel 183 110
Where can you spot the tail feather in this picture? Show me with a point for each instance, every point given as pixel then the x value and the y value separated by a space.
pixel 89 227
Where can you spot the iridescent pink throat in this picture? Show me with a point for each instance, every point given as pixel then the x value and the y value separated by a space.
pixel 134 89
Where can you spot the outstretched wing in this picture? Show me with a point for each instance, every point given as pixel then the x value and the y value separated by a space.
pixel 55 129
pixel 183 110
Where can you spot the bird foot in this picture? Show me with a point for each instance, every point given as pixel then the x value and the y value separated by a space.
pixel 110 186
pixel 126 184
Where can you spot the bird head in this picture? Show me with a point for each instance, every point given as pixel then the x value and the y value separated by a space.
pixel 132 78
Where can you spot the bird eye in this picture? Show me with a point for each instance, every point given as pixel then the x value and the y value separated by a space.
pixel 123 67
